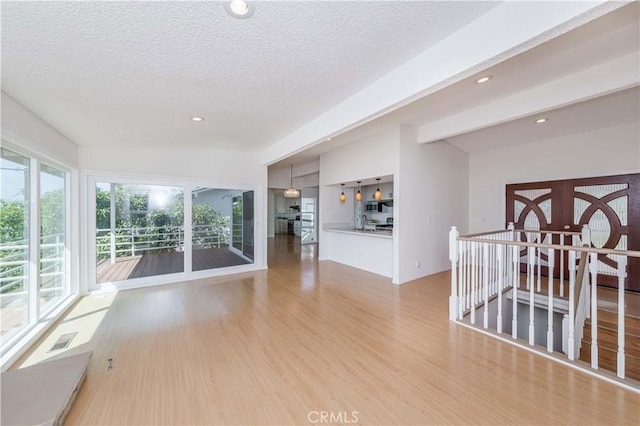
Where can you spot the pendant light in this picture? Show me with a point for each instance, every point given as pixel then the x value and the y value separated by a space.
pixel 343 197
pixel 359 194
pixel 378 194
pixel 291 192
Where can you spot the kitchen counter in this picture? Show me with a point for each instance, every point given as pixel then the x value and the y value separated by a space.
pixel 379 234
pixel 371 251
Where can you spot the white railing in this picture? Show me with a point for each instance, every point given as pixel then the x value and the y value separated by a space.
pixel 497 275
pixel 139 240
pixel 14 264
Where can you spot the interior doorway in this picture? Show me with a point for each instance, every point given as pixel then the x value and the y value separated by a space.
pixel 610 205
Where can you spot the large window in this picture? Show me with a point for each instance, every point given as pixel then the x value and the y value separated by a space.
pixel 33 243
pixel 142 231
pixel 139 231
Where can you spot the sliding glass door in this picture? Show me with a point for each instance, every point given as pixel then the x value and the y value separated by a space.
pixel 34 243
pixel 141 230
pixel 15 243
pixel 53 231
pixel 214 219
pixel 243 225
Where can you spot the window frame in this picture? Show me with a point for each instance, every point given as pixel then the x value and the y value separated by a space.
pixel 38 322
pixel 90 179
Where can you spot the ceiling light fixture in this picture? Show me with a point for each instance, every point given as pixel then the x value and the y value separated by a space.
pixel 484 79
pixel 343 197
pixel 378 194
pixel 239 8
pixel 359 194
pixel 542 120
pixel 291 192
pixel 197 119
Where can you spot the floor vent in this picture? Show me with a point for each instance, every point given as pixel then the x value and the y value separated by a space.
pixel 63 341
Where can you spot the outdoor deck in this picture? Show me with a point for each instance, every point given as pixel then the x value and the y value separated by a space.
pixel 165 263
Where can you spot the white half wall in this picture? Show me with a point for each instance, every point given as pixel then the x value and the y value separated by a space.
pixel 603 152
pixel 431 195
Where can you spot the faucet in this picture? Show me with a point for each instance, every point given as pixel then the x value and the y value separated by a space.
pixel 363 220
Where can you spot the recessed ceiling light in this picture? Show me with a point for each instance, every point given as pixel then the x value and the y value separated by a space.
pixel 239 8
pixel 197 119
pixel 484 79
pixel 328 139
pixel 542 120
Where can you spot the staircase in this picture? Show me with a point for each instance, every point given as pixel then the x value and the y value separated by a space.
pixel 608 337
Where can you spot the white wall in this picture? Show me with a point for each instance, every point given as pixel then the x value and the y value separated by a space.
pixel 430 195
pixel 371 156
pixel 271 210
pixel 23 128
pixel 607 151
pixel 304 175
pixel 217 168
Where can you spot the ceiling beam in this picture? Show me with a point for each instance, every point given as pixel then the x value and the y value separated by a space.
pixel 581 86
pixel 507 30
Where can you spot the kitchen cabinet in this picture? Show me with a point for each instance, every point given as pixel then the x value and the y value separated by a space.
pixel 369 191
pixel 387 190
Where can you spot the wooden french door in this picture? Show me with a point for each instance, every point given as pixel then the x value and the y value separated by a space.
pixel 609 205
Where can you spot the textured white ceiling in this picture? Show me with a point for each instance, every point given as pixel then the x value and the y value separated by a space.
pixel 616 109
pixel 133 73
pixel 610 36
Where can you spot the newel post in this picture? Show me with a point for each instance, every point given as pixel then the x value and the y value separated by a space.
pixel 453 257
pixel 586 235
pixel 512 227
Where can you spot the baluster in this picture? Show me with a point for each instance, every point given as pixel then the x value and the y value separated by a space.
pixel 499 254
pixel 530 277
pixel 474 256
pixel 539 259
pixel 460 278
pixel 550 312
pixel 492 271
pixel 453 257
pixel 469 275
pixel 485 289
pixel 465 281
pixel 593 268
pixel 514 291
pixel 562 266
pixel 571 347
pixel 622 267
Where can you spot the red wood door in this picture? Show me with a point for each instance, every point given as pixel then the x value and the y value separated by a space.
pixel 609 205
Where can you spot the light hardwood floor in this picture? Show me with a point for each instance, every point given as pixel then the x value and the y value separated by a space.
pixel 271 347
